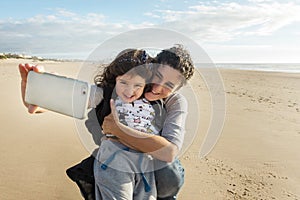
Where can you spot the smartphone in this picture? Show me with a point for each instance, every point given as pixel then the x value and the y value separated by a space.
pixel 58 93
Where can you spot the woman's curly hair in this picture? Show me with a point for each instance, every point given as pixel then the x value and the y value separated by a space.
pixel 178 58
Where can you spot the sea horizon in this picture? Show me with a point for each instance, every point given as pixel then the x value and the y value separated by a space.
pixel 284 67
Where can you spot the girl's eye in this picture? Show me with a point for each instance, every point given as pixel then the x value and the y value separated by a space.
pixel 123 82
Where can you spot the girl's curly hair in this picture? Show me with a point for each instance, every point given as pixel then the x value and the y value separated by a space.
pixel 125 62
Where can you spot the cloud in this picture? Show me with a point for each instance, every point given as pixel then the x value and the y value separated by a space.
pixel 63 31
pixel 152 15
pixel 226 21
pixel 60 32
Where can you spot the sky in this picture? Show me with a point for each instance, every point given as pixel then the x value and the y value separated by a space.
pixel 241 31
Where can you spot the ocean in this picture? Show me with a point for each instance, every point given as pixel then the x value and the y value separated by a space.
pixel 273 67
pixel 269 67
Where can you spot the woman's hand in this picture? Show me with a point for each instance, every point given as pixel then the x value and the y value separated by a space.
pixel 155 145
pixel 24 70
pixel 112 125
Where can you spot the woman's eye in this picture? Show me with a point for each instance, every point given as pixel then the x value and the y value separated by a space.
pixel 156 77
pixel 170 87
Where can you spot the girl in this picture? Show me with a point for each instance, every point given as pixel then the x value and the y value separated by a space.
pixel 118 169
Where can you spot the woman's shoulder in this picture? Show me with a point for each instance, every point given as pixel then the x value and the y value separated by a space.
pixel 175 100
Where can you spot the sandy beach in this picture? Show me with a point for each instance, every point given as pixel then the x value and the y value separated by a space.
pixel 256 157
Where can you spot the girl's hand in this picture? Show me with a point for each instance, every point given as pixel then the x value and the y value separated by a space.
pixel 24 70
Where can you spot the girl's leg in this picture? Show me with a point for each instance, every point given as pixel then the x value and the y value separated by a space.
pixel 112 184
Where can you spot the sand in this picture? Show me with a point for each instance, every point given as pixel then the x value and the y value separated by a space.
pixel 256 157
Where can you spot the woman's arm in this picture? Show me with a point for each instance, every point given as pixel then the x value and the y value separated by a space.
pixel 155 145
pixel 163 147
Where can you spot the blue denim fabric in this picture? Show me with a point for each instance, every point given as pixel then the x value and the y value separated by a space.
pixel 169 180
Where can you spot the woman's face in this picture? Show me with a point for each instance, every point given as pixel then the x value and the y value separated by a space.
pixel 130 87
pixel 165 81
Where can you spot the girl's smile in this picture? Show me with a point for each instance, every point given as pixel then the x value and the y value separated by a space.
pixel 130 87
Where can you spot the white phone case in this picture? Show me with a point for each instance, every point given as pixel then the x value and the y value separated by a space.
pixel 58 93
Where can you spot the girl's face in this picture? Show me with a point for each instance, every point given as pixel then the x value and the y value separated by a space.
pixel 130 87
pixel 165 81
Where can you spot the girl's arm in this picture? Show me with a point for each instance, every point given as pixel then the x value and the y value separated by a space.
pixel 24 69
pixel 96 96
